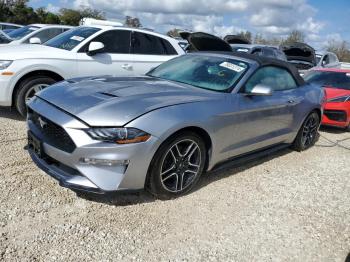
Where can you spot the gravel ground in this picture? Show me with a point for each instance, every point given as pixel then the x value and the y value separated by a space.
pixel 286 207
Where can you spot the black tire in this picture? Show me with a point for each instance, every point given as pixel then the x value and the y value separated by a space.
pixel 26 86
pixel 308 133
pixel 160 187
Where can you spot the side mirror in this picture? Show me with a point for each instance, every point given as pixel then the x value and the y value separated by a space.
pixel 324 63
pixel 35 40
pixel 260 90
pixel 95 48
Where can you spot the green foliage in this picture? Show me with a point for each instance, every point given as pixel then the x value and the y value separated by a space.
pixel 17 11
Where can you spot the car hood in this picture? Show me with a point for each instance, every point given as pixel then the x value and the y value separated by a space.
pixel 205 42
pixel 115 101
pixel 28 51
pixel 236 39
pixel 299 52
pixel 336 92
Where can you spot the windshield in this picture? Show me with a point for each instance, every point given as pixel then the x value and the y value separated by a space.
pixel 318 58
pixel 207 72
pixel 4 39
pixel 71 38
pixel 340 80
pixel 22 32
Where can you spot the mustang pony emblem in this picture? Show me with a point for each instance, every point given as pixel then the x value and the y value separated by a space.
pixel 42 123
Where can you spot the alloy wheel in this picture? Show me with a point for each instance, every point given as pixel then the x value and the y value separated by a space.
pixel 33 90
pixel 180 166
pixel 309 131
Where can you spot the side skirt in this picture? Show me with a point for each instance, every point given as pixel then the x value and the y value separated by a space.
pixel 248 157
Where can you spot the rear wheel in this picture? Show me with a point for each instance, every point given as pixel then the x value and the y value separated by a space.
pixel 28 88
pixel 308 133
pixel 177 166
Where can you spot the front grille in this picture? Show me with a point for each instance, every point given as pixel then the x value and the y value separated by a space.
pixel 336 115
pixel 52 133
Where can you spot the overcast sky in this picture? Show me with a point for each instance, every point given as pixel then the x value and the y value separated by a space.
pixel 320 20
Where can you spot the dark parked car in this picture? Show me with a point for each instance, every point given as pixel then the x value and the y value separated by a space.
pixel 260 50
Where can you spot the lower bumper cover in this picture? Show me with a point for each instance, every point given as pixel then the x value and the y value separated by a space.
pixel 65 179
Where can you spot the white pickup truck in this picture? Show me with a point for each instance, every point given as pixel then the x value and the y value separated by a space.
pixel 79 52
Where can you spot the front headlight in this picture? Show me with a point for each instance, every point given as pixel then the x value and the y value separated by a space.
pixel 5 64
pixel 119 135
pixel 339 99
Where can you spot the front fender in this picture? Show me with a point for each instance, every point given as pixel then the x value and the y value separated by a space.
pixel 164 122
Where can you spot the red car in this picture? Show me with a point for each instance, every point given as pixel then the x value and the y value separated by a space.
pixel 337 86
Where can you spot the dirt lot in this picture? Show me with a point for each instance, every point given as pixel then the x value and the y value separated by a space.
pixel 286 207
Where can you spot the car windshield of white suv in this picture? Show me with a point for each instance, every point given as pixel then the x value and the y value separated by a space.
pixel 22 32
pixel 71 38
pixel 207 72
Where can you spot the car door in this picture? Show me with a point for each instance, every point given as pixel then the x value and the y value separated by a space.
pixel 115 58
pixel 149 51
pixel 264 120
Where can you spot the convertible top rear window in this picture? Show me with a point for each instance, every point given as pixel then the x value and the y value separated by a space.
pixel 207 72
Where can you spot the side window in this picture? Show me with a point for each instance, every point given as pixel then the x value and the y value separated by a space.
pixel 146 44
pixel 115 41
pixel 332 59
pixel 47 34
pixel 9 27
pixel 257 51
pixel 325 60
pixel 274 77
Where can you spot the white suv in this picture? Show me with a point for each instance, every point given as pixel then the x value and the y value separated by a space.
pixel 82 51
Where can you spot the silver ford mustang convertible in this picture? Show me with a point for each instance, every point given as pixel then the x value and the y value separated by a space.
pixel 162 131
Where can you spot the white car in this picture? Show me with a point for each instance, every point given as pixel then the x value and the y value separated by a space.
pixel 36 33
pixel 8 27
pixel 327 59
pixel 82 51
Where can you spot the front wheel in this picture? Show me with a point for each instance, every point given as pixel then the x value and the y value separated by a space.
pixel 28 88
pixel 308 133
pixel 177 166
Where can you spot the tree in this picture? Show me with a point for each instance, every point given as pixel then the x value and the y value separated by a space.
pixel 132 22
pixel 246 35
pixel 340 48
pixel 73 17
pixel 46 17
pixel 174 33
pixel 17 12
pixel 295 36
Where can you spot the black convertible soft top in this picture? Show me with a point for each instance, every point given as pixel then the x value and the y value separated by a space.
pixel 265 61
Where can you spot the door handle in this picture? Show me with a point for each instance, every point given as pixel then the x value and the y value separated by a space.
pixel 127 67
pixel 291 101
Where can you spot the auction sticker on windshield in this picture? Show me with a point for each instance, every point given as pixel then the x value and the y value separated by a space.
pixel 231 66
pixel 77 38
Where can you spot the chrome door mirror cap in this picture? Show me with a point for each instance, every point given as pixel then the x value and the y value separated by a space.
pixel 261 90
